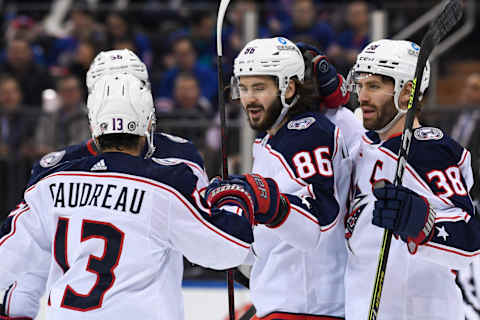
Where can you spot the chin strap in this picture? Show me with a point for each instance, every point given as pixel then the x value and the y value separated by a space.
pixel 285 109
pixel 392 122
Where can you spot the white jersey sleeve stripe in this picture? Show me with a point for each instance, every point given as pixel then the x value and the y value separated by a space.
pixel 464 156
pixel 449 249
pixel 335 148
pixel 304 213
pixel 330 226
pixel 10 294
pixel 178 195
pixel 16 215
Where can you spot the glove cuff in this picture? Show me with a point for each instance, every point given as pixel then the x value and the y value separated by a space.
pixel 426 233
pixel 283 212
pixel 339 97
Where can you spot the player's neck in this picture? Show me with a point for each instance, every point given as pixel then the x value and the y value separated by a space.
pixel 398 128
pixel 133 152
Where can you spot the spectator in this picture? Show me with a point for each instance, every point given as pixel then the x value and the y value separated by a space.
pixel 185 57
pixel 84 55
pixel 81 27
pixel 306 27
pixel 466 129
pixel 32 77
pixel 15 133
pixel 203 36
pixel 25 28
pixel 119 28
pixel 353 39
pixel 188 106
pixel 66 126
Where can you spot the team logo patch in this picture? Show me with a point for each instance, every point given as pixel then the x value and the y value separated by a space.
pixel 166 162
pixel 132 126
pixel 103 126
pixel 301 124
pixel 428 133
pixel 51 159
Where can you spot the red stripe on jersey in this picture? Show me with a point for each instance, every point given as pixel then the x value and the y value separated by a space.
pixel 291 316
pixel 172 191
pixel 473 254
pixel 14 223
pixel 337 134
pixel 10 293
pixel 422 183
pixel 465 153
pixel 305 214
pixel 287 168
pixel 91 148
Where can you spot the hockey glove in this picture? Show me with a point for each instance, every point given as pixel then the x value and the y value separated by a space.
pixel 220 193
pixel 331 85
pixel 405 213
pixel 271 208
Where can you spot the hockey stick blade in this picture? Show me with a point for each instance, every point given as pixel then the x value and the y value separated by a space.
pixel 439 28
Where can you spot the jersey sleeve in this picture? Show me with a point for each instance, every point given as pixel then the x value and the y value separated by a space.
pixel 23 244
pixel 316 202
pixel 217 239
pixel 446 173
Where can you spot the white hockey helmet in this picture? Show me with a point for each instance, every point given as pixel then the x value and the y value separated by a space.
pixel 121 103
pixel 277 57
pixel 396 59
pixel 113 62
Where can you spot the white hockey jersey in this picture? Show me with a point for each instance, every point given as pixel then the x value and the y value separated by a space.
pixel 299 266
pixel 116 227
pixel 419 286
pixel 24 295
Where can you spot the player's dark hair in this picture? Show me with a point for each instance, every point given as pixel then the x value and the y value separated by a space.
pixel 118 141
pixel 308 101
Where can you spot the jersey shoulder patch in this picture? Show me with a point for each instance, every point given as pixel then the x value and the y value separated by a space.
pixel 174 138
pixel 301 124
pixel 428 133
pixel 51 159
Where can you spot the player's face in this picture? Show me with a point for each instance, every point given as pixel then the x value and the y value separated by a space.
pixel 259 96
pixel 375 96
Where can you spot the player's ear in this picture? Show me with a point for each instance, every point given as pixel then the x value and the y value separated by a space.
pixel 405 95
pixel 290 89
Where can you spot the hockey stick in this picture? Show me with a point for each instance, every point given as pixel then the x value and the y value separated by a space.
pixel 439 28
pixel 221 105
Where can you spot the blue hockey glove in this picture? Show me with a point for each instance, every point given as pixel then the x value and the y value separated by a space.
pixel 405 213
pixel 331 85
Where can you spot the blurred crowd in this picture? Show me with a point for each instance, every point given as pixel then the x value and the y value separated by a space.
pixel 48 46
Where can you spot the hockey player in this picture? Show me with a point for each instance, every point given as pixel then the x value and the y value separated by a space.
pixel 117 224
pixel 22 297
pixel 431 213
pixel 305 153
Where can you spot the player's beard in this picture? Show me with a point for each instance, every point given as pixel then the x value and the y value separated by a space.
pixel 269 117
pixel 383 115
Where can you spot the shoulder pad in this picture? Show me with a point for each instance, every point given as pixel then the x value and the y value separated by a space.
pixel 428 133
pixel 301 124
pixel 51 159
pixel 174 138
